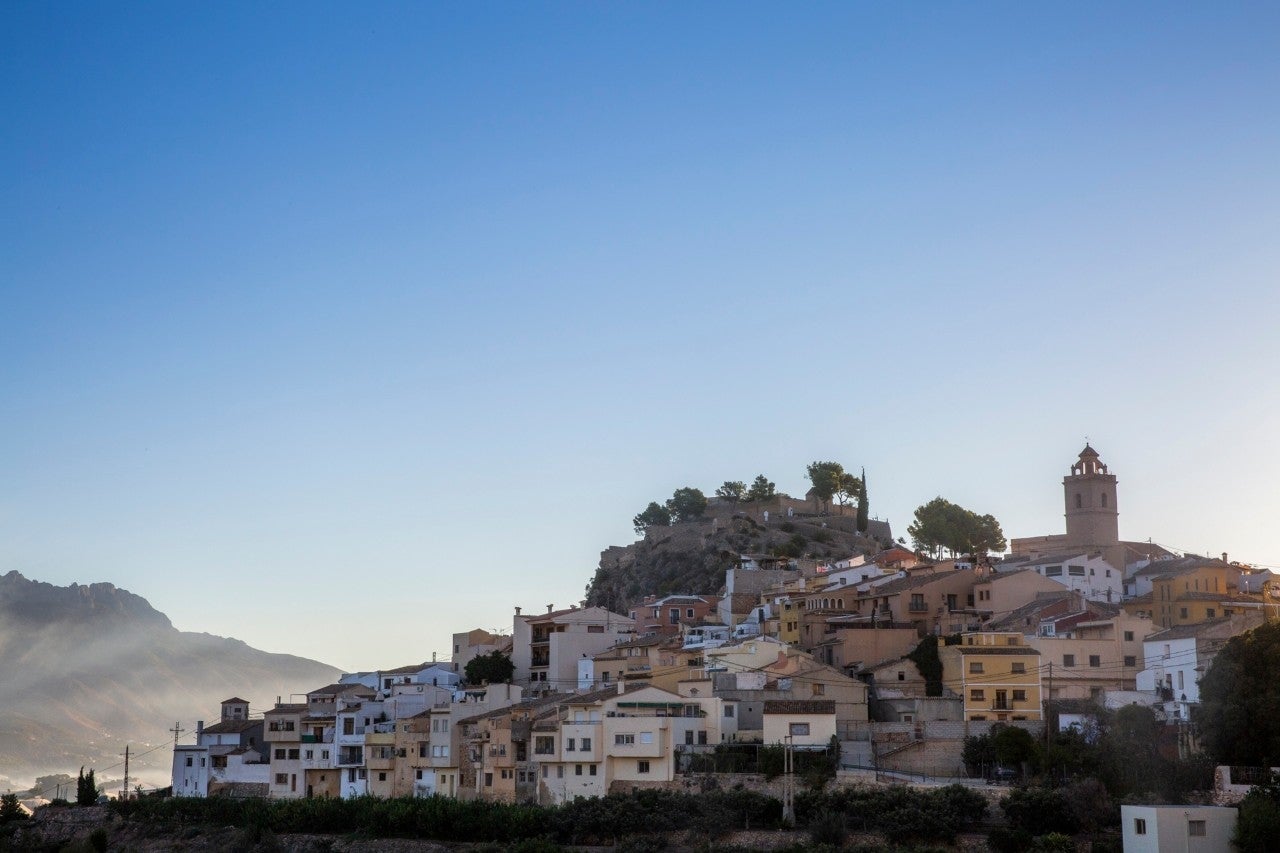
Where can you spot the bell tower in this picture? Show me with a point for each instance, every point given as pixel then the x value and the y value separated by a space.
pixel 1093 519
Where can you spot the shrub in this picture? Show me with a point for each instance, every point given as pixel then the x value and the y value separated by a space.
pixel 1039 811
pixel 1054 842
pixel 98 840
pixel 828 828
pixel 1002 839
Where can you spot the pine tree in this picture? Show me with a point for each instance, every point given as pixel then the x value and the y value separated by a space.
pixel 9 808
pixel 862 502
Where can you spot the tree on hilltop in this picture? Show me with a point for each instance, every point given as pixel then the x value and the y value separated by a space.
pixel 862 502
pixel 86 788
pixel 830 480
pixel 761 489
pixel 943 527
pixel 687 504
pixel 654 515
pixel 732 490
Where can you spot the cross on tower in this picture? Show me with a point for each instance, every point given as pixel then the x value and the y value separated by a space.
pixel 177 730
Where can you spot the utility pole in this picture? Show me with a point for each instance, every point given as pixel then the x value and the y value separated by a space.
pixel 177 730
pixel 124 786
pixel 788 787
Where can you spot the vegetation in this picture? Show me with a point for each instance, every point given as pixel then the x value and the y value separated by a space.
pixel 925 657
pixel 654 515
pixel 1239 712
pixel 86 788
pixel 862 502
pixel 687 504
pixel 1258 823
pixel 941 527
pixel 733 491
pixel 9 809
pixel 904 815
pixel 830 480
pixel 761 489
pixel 495 668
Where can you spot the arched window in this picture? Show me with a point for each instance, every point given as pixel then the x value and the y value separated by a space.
pixel 840 604
pixel 1079 501
pixel 1104 498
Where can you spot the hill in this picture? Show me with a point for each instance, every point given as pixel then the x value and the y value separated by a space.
pixel 691 557
pixel 86 669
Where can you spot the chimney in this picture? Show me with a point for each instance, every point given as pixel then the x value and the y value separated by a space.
pixel 199 730
pixel 433 657
pixel 550 607
pixel 517 611
pixel 277 700
pixel 1224 556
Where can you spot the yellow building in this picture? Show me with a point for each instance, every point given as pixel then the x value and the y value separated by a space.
pixel 996 674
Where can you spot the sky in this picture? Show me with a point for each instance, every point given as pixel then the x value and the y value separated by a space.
pixel 340 328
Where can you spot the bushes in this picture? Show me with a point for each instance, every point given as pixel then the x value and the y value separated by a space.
pixel 902 814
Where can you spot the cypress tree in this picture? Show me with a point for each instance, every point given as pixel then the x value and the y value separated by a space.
pixel 862 502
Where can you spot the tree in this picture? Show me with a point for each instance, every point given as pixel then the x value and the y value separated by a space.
pixel 654 515
pixel 827 478
pixel 687 504
pixel 86 788
pixel 862 502
pixel 1258 826
pixel 1239 712
pixel 848 490
pixel 943 527
pixel 761 489
pixel 732 490
pixel 494 668
pixel 9 809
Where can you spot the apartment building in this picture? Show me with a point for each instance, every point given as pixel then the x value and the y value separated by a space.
pixel 546 648
pixel 997 675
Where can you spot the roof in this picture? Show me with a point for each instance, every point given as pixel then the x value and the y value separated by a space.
pixel 996 650
pixel 288 708
pixel 1181 565
pixel 335 689
pixel 1195 629
pixel 799 706
pixel 235 699
pixel 231 727
pixel 413 667
pixel 524 705
pixel 911 582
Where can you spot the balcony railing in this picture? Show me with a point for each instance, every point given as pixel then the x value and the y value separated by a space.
pixel 917 607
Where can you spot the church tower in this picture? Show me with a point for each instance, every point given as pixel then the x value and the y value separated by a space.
pixel 1093 519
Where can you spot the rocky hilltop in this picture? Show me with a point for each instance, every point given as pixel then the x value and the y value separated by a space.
pixel 86 669
pixel 691 557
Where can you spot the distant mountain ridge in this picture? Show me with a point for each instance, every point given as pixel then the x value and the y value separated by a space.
pixel 85 669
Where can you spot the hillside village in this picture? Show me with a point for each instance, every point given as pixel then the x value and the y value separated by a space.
pixel 893 657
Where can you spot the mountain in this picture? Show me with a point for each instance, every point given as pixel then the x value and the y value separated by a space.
pixel 691 557
pixel 86 669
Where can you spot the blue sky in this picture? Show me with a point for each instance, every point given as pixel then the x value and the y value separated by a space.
pixel 295 297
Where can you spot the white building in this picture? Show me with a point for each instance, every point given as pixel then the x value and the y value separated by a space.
pixel 1188 829
pixel 227 757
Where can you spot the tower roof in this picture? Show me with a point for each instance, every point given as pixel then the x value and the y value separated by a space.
pixel 1088 451
pixel 1088 463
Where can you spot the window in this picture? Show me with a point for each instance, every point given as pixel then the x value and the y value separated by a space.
pixel 282 778
pixel 1018 667
pixel 586 744
pixel 977 695
pixel 1139 826
pixel 1068 660
pixel 560 771
pixel 419 774
pixel 591 769
pixel 595 629
pixel 688 736
pixel 382 777
pixel 1079 501
pixel 309 755
pixel 642 767
pixel 577 770
pixel 1209 613
pixel 975 667
pixel 624 740
pixel 689 613
pixel 819 689
pixel 1104 498
pixel 1128 638
pixel 1095 660
pixel 799 729
pixel 280 753
pixel 569 744
pixel 728 712
pixel 324 755
pixel 488 780
pixel 646 737
pixel 188 760
pixel 1075 571
pixel 902 676
pixel 294 753
pixel 978 717
pixel 1196 828
pixel 1130 660
pixel 1184 612
pixel 1019 695
pixel 1053 571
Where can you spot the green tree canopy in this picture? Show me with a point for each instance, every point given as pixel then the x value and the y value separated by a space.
pixel 86 788
pixel 9 809
pixel 654 515
pixel 943 527
pixel 761 489
pixel 732 490
pixel 862 502
pixel 687 504
pixel 495 668
pixel 1239 711
pixel 829 480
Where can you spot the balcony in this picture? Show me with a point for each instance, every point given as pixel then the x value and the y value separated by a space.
pixel 917 607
